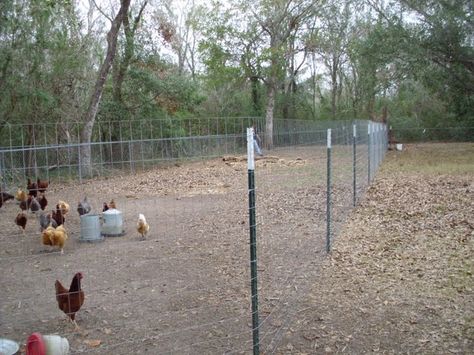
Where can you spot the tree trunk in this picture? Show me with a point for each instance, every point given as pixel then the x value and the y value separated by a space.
pixel 269 116
pixel 85 163
pixel 255 95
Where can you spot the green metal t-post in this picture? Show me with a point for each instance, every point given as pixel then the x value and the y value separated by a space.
pixel 354 170
pixel 253 240
pixel 369 150
pixel 328 194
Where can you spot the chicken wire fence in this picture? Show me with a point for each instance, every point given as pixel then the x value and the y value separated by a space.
pixel 185 288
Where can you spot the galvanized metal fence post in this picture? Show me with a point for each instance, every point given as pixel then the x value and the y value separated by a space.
pixel 369 155
pixel 253 240
pixel 354 167
pixel 328 194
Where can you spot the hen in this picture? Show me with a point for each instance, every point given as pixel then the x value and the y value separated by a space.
pixel 21 220
pixel 32 188
pixel 43 202
pixel 21 195
pixel 70 301
pixel 55 237
pixel 46 220
pixel 83 207
pixel 112 204
pixel 64 206
pixel 105 207
pixel 34 205
pixel 58 215
pixel 25 205
pixel 42 185
pixel 142 226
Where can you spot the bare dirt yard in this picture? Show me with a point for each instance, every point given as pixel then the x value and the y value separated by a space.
pixel 398 279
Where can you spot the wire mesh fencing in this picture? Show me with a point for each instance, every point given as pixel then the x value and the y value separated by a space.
pixel 185 287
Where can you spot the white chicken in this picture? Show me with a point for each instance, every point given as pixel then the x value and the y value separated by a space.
pixel 142 226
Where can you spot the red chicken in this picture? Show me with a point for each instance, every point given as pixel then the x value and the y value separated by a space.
pixel 58 215
pixel 32 188
pixel 42 185
pixel 21 220
pixel 70 301
pixel 43 202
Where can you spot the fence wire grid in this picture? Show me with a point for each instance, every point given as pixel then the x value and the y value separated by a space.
pixel 185 288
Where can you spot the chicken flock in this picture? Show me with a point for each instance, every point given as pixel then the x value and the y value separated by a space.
pixel 54 233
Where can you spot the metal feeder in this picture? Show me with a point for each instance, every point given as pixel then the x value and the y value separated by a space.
pixel 90 228
pixel 112 223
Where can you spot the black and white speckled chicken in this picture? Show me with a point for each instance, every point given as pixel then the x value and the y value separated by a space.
pixel 46 221
pixel 34 205
pixel 83 207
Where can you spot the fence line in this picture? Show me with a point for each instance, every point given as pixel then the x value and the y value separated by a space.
pixel 290 188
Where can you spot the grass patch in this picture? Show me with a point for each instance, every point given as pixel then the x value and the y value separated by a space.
pixel 440 158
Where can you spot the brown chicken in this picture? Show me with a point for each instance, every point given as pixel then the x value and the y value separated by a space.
pixel 43 202
pixel 58 215
pixel 70 301
pixel 21 220
pixel 55 237
pixel 32 188
pixel 25 205
pixel 42 185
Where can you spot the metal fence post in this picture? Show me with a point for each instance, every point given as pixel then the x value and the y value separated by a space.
pixel 369 155
pixel 328 194
pixel 253 240
pixel 354 168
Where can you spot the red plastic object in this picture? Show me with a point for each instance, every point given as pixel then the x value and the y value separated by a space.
pixel 35 345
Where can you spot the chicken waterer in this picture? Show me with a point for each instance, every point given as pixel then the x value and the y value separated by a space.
pixel 90 228
pixel 112 223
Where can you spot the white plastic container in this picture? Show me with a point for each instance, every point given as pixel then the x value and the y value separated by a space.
pixel 112 223
pixel 56 345
pixel 399 147
pixel 90 228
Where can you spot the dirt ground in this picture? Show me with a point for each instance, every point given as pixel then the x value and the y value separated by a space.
pixel 398 280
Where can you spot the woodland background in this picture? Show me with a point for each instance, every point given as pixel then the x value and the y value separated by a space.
pixel 64 61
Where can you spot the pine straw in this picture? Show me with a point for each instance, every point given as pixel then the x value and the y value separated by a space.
pixel 399 279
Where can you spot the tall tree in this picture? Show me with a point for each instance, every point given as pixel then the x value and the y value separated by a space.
pixel 91 113
pixel 279 21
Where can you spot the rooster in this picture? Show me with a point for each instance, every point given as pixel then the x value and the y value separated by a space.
pixel 21 220
pixel 83 207
pixel 70 301
pixel 142 226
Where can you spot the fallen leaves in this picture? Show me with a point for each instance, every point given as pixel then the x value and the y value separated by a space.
pixel 93 343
